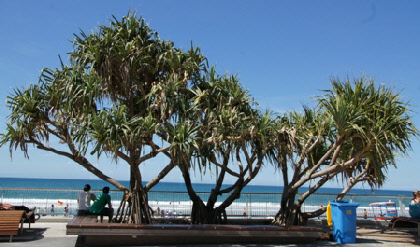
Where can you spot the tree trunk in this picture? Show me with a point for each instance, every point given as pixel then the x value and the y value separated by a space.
pixel 290 212
pixel 200 213
pixel 134 206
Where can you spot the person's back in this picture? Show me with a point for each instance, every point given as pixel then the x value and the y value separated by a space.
pixel 100 203
pixel 414 210
pixel 83 200
pixel 98 206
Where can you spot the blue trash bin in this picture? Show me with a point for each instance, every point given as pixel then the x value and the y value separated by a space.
pixel 344 221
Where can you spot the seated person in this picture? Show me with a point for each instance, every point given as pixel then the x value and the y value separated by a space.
pixel 98 206
pixel 414 207
pixel 28 217
pixel 5 206
pixel 83 200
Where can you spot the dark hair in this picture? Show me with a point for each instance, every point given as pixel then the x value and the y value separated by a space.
pixel 87 187
pixel 105 190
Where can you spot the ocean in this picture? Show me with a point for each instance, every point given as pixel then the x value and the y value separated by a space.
pixel 172 197
pixel 77 184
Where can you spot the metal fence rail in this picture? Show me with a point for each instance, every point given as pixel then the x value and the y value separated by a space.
pixel 174 204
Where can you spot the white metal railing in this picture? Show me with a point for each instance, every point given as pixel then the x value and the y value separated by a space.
pixel 63 202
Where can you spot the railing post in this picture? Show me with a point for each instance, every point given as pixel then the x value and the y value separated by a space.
pixel 402 206
pixel 247 206
pixel 250 205
pixel 266 208
pixel 46 204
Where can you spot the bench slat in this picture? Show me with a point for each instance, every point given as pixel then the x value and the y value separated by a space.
pixel 9 233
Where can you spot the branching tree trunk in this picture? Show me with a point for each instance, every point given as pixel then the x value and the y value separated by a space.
pixel 290 210
pixel 209 213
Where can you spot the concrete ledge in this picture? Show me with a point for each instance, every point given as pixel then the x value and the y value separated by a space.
pixel 209 234
pixel 106 234
pixel 127 240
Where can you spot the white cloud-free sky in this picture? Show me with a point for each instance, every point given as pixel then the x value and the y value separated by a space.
pixel 282 51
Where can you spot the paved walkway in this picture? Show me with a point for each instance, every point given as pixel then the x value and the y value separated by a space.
pixel 53 233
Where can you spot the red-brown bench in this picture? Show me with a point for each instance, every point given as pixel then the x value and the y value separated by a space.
pixel 10 221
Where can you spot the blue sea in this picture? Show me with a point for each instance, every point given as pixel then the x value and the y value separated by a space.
pixel 78 184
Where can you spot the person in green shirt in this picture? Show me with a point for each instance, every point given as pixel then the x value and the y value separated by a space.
pixel 98 206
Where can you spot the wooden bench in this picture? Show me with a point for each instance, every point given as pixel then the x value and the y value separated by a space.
pixel 10 221
pixel 134 234
pixel 406 220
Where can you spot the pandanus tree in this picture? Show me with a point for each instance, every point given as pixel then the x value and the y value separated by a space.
pixel 228 135
pixel 149 77
pixel 116 98
pixel 356 133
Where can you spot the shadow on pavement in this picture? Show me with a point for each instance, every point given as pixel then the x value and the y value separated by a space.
pixel 27 235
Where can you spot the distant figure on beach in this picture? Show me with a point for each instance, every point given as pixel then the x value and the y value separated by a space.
pixel 98 206
pixel 83 200
pixel 45 212
pixel 245 213
pixel 162 213
pixel 158 211
pixel 365 213
pixel 52 209
pixel 66 211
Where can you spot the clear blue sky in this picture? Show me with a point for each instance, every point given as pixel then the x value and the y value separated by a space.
pixel 283 52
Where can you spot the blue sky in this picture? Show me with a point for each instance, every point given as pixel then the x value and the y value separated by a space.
pixel 282 51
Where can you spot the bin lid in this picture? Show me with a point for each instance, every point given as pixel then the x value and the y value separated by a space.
pixel 344 204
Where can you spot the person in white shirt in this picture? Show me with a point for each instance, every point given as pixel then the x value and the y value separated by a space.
pixel 83 200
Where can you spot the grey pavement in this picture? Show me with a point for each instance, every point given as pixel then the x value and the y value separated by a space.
pixel 52 232
pixel 42 234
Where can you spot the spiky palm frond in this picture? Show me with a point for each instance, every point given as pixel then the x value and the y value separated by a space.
pixel 370 118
